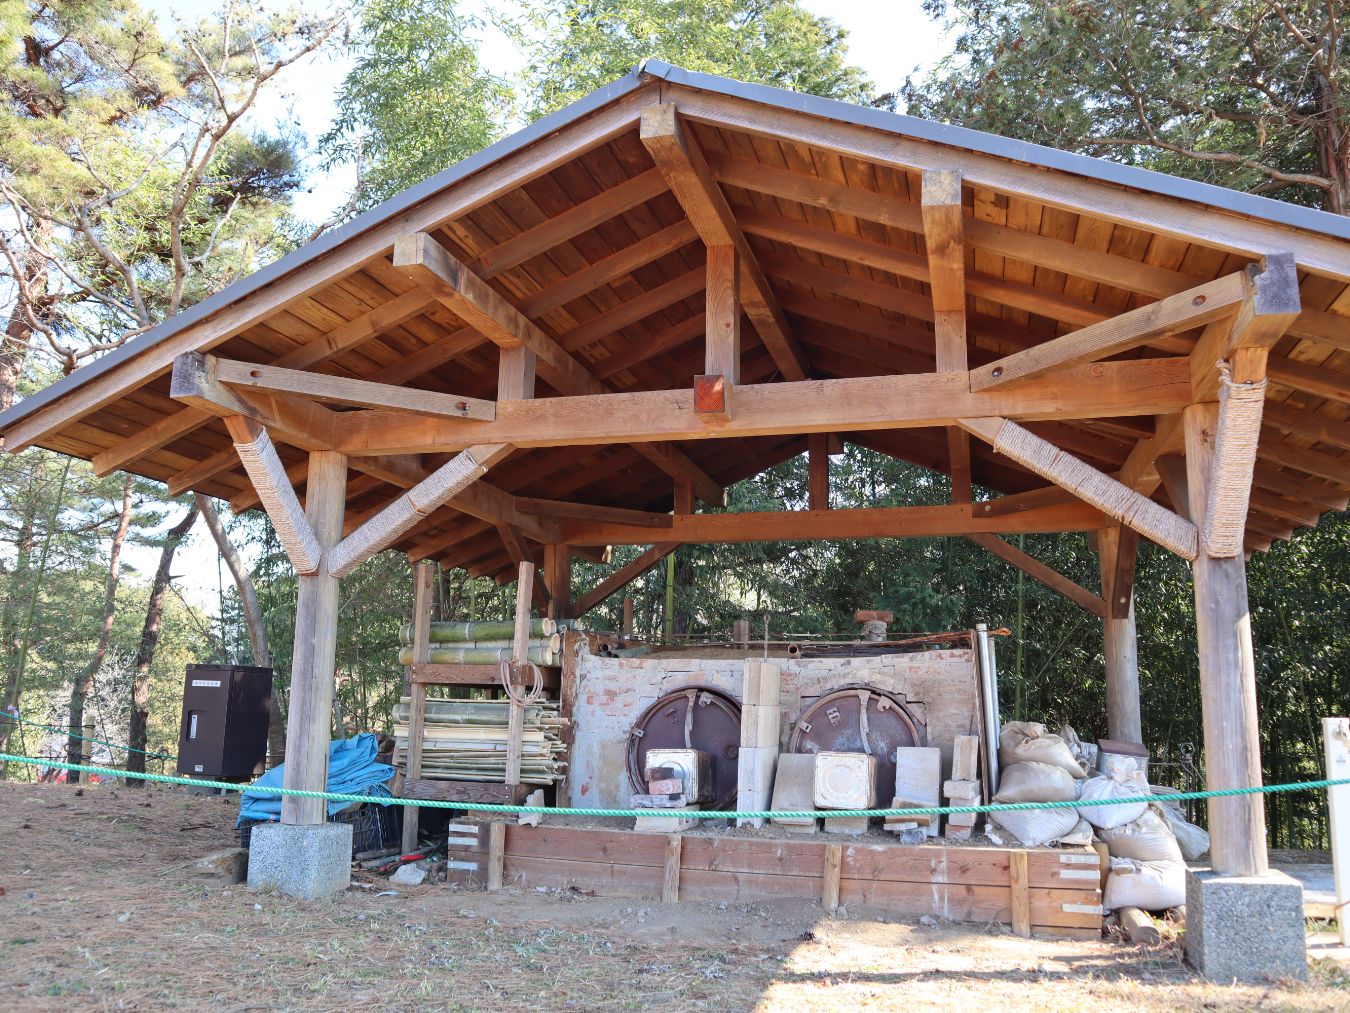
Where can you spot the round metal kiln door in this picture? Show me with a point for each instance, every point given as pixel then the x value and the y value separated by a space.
pixel 859 720
pixel 693 718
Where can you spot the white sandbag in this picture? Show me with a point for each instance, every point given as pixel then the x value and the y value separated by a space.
pixel 1149 886
pixel 1029 742
pixel 1147 839
pixel 1193 840
pixel 1079 836
pixel 1034 827
pixel 1035 782
pixel 1084 752
pixel 1123 779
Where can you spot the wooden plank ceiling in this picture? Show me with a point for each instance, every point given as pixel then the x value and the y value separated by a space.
pixel 601 256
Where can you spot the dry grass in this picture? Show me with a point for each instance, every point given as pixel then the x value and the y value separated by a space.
pixel 100 911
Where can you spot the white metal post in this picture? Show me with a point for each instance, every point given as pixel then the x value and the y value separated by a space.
pixel 1336 735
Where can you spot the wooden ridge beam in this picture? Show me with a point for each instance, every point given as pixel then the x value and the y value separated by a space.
pixel 682 163
pixel 347 391
pixel 623 576
pixel 1037 570
pixel 1180 312
pixel 1139 387
pixel 817 525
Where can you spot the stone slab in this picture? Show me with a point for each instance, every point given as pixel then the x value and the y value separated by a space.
pixel 1245 928
pixel 964 790
pixel 845 780
pixel 794 788
pixel 306 862
pixel 918 778
pixel 754 781
pixel 855 825
pixel 760 724
pixel 966 758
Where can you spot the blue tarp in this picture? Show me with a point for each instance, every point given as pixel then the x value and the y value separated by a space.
pixel 352 770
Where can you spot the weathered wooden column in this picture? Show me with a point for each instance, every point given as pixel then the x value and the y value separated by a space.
pixel 311 712
pixel 1117 547
pixel 1227 676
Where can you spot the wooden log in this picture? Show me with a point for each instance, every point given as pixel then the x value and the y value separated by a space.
pixel 309 726
pixel 424 598
pixel 830 878
pixel 1227 677
pixel 1139 927
pixel 670 880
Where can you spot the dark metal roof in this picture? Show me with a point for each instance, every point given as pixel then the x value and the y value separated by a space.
pixel 1098 169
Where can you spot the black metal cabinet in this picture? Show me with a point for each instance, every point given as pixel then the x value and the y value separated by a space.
pixel 223 732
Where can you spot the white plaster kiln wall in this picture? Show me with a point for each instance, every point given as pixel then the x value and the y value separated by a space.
pixel 940 687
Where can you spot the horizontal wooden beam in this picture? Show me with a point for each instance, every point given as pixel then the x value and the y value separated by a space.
pixel 622 577
pixel 1270 304
pixel 1180 312
pixel 1142 387
pixel 1037 570
pixel 302 423
pixel 815 525
pixel 347 391
pixel 591 512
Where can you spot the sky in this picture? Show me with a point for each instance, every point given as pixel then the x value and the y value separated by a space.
pixel 889 39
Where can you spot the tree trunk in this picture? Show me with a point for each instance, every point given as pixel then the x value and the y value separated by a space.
pixel 84 684
pixel 145 654
pixel 18 333
pixel 253 620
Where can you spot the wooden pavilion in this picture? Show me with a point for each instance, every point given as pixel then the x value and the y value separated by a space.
pixel 568 339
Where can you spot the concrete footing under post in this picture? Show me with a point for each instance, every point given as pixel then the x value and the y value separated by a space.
pixel 303 861
pixel 1245 928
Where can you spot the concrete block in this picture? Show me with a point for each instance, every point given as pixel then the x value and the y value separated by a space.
pixel 794 788
pixel 845 780
pixel 761 683
pixel 846 825
pixel 691 767
pixel 754 780
pixel 918 777
pixel 966 791
pixel 966 758
pixel 1245 928
pixel 665 824
pixel 962 819
pixel 307 862
pixel 958 833
pixel 760 725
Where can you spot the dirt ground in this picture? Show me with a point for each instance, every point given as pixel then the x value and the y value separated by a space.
pixel 100 910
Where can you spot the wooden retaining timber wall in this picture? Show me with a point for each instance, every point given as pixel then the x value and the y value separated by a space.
pixel 1044 890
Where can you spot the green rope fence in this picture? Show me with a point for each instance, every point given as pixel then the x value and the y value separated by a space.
pixel 8 716
pixel 422 803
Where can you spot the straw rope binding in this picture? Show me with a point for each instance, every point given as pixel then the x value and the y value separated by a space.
pixel 268 476
pixel 1109 496
pixel 403 513
pixel 1230 486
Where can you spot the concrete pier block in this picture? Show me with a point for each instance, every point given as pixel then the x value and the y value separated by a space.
pixel 307 862
pixel 1245 928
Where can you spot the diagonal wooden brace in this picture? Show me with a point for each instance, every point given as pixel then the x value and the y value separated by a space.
pixel 268 476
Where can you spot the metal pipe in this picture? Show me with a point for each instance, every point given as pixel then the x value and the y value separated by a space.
pixel 984 654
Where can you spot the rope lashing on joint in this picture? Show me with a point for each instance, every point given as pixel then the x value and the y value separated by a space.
pixel 268 475
pixel 707 814
pixel 1235 439
pixel 11 716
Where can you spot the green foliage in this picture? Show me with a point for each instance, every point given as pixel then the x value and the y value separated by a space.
pixel 416 99
pixel 1250 94
pixel 576 46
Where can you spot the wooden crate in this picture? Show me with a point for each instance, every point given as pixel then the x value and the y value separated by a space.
pixel 1044 890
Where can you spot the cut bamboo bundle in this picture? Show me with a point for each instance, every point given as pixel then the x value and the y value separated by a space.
pixel 541 652
pixel 467 740
pixel 459 633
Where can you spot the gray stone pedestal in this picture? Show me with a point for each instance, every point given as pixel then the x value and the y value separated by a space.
pixel 1245 928
pixel 307 862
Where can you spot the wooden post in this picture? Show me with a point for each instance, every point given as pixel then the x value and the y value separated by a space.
pixel 740 632
pixel 1019 885
pixel 1116 548
pixel 515 726
pixel 309 726
pixel 558 577
pixel 670 880
pixel 424 587
pixel 627 616
pixel 1336 741
pixel 496 857
pixel 1227 676
pixel 87 746
pixel 829 886
pixel 722 343
pixel 818 474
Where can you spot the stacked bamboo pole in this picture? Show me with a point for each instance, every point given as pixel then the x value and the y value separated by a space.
pixel 485 643
pixel 466 740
